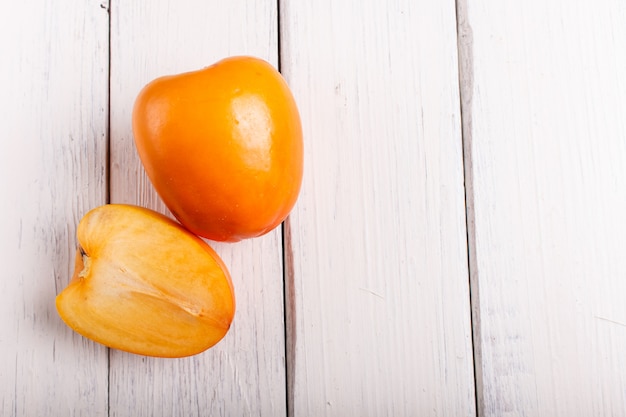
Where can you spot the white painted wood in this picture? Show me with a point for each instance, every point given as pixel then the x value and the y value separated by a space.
pixel 53 106
pixel 379 321
pixel 378 313
pixel 545 125
pixel 245 373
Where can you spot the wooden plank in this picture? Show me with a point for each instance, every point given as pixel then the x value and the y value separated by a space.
pixel 53 80
pixel 545 129
pixel 245 373
pixel 379 316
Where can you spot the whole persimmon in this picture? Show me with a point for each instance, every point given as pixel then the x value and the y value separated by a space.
pixel 144 284
pixel 222 147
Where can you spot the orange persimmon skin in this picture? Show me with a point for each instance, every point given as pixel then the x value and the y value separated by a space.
pixel 222 147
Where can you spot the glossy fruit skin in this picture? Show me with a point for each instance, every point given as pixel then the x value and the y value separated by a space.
pixel 146 285
pixel 222 147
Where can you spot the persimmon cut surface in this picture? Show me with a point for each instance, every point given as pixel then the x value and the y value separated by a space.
pixel 144 284
pixel 222 147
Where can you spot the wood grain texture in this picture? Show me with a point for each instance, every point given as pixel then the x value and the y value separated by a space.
pixel 378 315
pixel 378 278
pixel 53 103
pixel 546 135
pixel 245 373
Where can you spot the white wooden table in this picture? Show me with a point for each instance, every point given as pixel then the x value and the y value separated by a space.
pixel 458 248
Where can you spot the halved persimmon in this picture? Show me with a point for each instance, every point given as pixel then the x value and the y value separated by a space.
pixel 144 284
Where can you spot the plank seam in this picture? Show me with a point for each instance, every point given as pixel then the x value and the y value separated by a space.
pixel 290 316
pixel 466 87
pixel 107 197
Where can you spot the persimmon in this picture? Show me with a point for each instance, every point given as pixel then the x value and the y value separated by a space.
pixel 144 284
pixel 222 147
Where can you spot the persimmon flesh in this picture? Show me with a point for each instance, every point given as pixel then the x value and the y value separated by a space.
pixel 222 147
pixel 144 284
